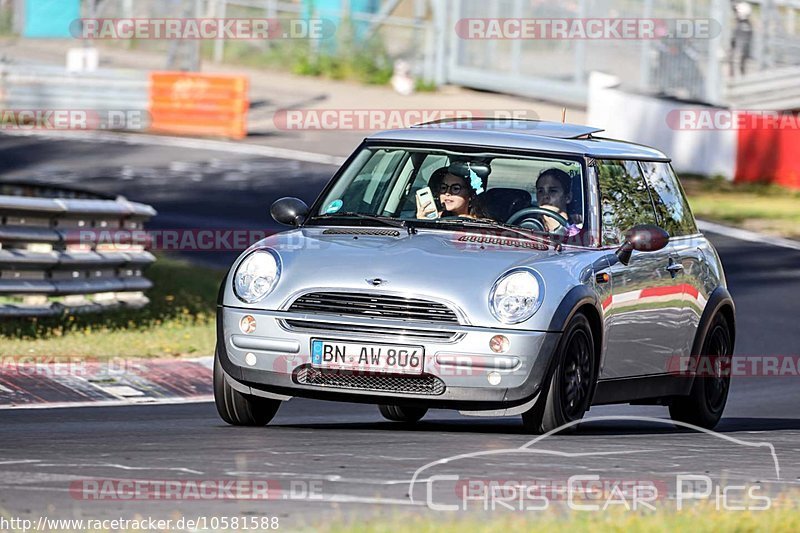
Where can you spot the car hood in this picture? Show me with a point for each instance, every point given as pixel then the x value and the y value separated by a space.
pixel 458 267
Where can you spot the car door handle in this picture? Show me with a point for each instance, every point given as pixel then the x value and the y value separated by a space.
pixel 675 268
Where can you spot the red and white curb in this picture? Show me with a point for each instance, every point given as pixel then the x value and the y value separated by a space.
pixel 26 383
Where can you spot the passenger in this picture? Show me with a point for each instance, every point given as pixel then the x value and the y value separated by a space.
pixel 457 195
pixel 554 192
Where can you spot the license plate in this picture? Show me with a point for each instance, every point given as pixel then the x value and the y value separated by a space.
pixel 379 358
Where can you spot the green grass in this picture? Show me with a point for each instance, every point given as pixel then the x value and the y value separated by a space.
pixel 423 86
pixel 178 321
pixel 699 518
pixel 341 57
pixel 767 208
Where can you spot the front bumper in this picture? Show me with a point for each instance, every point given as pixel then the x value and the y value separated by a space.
pixel 458 368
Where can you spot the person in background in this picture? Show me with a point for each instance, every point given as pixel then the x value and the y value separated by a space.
pixel 741 37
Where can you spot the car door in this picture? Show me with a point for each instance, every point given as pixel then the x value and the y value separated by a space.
pixel 644 312
pixel 675 216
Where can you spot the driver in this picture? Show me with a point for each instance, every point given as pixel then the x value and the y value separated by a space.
pixel 554 193
pixel 457 193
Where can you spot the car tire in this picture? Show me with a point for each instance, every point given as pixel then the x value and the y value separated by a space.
pixel 240 409
pixel 705 403
pixel 568 392
pixel 406 414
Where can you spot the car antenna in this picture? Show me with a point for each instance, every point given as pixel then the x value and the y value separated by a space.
pixel 563 115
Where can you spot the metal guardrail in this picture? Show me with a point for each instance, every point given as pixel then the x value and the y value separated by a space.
pixel 182 103
pixel 52 261
pixel 44 87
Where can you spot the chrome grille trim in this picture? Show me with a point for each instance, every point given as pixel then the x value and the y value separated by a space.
pixel 369 305
pixel 424 384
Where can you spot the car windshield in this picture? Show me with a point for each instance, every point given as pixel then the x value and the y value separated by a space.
pixel 442 188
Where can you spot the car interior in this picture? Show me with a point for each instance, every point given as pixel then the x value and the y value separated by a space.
pixel 510 184
pixel 503 197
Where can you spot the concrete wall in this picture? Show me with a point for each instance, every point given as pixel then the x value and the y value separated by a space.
pixel 653 122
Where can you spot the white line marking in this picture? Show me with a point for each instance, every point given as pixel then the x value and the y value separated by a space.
pixel 332 478
pixel 747 235
pixel 121 467
pixel 121 391
pixel 111 403
pixel 346 498
pixel 20 461
pixel 144 139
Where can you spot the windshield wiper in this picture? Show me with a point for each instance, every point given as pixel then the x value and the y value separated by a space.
pixel 386 221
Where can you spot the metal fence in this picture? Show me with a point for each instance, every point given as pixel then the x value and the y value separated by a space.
pixel 55 259
pixel 687 68
pixel 406 29
pixel 422 32
pixel 110 96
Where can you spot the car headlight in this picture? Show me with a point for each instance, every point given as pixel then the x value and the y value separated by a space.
pixel 516 296
pixel 256 276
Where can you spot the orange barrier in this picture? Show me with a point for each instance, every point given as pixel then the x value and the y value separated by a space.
pixel 768 153
pixel 188 103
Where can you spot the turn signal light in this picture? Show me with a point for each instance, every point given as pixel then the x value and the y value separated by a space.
pixel 499 344
pixel 247 324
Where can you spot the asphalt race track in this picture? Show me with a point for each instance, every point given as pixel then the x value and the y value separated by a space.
pixel 329 459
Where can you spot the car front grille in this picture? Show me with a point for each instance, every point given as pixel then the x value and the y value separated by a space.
pixel 364 305
pixel 424 384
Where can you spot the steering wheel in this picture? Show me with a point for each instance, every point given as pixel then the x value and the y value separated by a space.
pixel 522 213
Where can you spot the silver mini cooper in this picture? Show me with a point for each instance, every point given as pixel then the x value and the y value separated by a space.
pixel 497 268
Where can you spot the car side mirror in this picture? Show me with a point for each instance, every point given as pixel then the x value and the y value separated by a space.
pixel 289 211
pixel 642 238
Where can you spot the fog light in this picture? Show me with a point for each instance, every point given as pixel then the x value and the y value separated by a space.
pixel 247 324
pixel 499 344
pixel 250 358
pixel 494 378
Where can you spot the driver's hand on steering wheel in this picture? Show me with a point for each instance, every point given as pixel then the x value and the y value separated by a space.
pixel 552 224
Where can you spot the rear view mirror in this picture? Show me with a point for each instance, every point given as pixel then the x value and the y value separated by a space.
pixel 289 211
pixel 642 238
